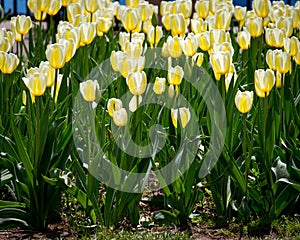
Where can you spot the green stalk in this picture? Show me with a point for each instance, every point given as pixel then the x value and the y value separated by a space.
pixel 247 160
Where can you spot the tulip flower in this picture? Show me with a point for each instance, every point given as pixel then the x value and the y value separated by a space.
pixel 91 5
pixel 274 37
pixel 240 14
pixel 56 55
pixel 291 45
pixel 204 41
pixel 296 17
pixel 202 8
pixel 166 21
pixel 261 7
pixel 65 3
pixel 4 44
pixel 264 80
pixel 120 117
pixel 177 24
pixel 198 58
pixel 174 46
pixel 130 19
pixel 184 7
pixel 198 25
pixel 127 65
pixel 54 7
pixel 244 101
pixel 134 49
pixel 218 36
pixel 154 35
pixel 222 19
pixel 103 25
pixel 271 59
pixel 190 45
pixel 17 35
pixel 175 75
pixel 10 62
pixel 145 11
pixel 116 58
pixel 88 90
pixel 137 82
pixel 87 33
pixel 114 104
pixel 282 61
pixel 46 69
pixel 23 24
pixel 36 83
pixel 286 24
pixel 73 10
pixel 164 50
pixel 244 39
pixel 254 26
pixel 184 115
pixel 159 86
pixel 70 33
pixel 43 5
pixel 220 62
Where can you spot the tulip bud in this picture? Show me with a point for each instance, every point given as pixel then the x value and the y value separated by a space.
pixel 54 7
pixel 116 58
pixel 46 69
pixel 244 101
pixel 271 59
pixel 159 85
pixel 264 80
pixel 240 13
pixel 137 82
pixel 10 63
pixel 56 55
pixel 222 19
pixel 103 25
pixel 220 62
pixel 88 90
pixel 190 45
pixel 166 21
pixel 4 44
pixel 184 7
pixel 283 60
pixel 134 49
pixel 274 37
pixel 202 8
pixel 120 117
pixel 244 39
pixel 154 35
pixel 204 41
pixel 254 26
pixel 114 104
pixel 73 10
pixel 184 115
pixel 91 5
pixel 36 83
pixel 291 45
pixel 145 11
pixel 286 24
pixel 177 24
pixel 198 25
pixel 174 46
pixel 87 33
pixel 43 5
pixel 261 7
pixel 130 19
pixel 175 75
pixel 23 24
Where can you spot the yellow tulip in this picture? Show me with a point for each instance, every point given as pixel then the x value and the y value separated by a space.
pixel 116 58
pixel 36 83
pixel 190 45
pixel 154 35
pixel 73 10
pixel 120 117
pixel 165 7
pixel 10 63
pixel 218 36
pixel 91 5
pixel 240 14
pixel 282 61
pixel 286 24
pixel 204 41
pixel 70 33
pixel 70 48
pixel 297 58
pixel 137 82
pixel 65 3
pixel 261 7
pixel 43 5
pixel 174 46
pixel 114 104
pixel 130 19
pixel 39 16
pixel 202 8
pixel 127 65
pixel 244 39
pixel 184 7
pixel 291 45
pixel 132 3
pixel 177 24
pixel 244 101
pixel 87 33
pixel 271 59
pixel 222 19
pixel 184 115
pixel 296 17
pixel 175 75
pixel 274 37
pixel 166 21
pixel 159 86
pixel 46 69
pixel 103 25
pixel 134 49
pixel 164 50
pixel 254 26
pixel 264 80
pixel 56 55
pixel 223 47
pixel 220 62
pixel 4 44
pixel 88 90
pixel 198 25
pixel 145 11
pixel 54 7
pixel 23 24
pixel 198 58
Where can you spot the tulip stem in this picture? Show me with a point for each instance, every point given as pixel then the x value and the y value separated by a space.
pixel 247 162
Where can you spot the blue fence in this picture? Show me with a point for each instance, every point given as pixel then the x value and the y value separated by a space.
pixel 20 7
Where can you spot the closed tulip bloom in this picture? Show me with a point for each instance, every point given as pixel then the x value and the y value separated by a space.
pixel 116 58
pixel 165 7
pixel 296 17
pixel 130 19
pixel 54 7
pixel 277 37
pixel 244 39
pixel 87 33
pixel 264 81
pixel 134 49
pixel 120 117
pixel 222 19
pixel 79 19
pixel 282 61
pixel 70 48
pixel 166 21
pixel 4 44
pixel 184 116
pixel 88 90
pixel 286 24
pixel 177 24
pixel 70 33
pixel 137 82
pixel 114 104
pixel 261 7
pixel 56 55
pixel 202 8
pixel 159 86
pixel 174 46
pixel 291 45
pixel 46 69
pixel 36 83
pixel 198 58
pixel 17 36
pixel 10 63
pixel 127 65
pixel 145 11
pixel 204 41
pixel 154 35
pixel 240 13
pixel 164 50
pixel 23 24
pixel 198 25
pixel 244 101
pixel 103 25
pixel 217 36
pixel 220 62
pixel 91 5
pixel 190 45
pixel 73 10
pixel 271 59
pixel 43 5
pixel 254 26
pixel 175 75
pixel 134 102
pixel 184 7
